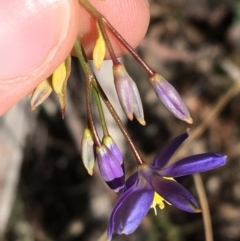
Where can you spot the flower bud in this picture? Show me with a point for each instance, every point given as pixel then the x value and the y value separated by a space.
pixel 137 105
pixel 59 82
pixel 111 145
pixel 87 151
pixel 40 94
pixel 128 94
pixel 170 98
pixel 110 169
pixel 99 50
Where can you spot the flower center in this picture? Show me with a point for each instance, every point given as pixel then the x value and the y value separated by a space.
pixel 158 200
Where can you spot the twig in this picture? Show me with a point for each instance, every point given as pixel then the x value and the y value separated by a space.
pixel 204 205
pixel 103 237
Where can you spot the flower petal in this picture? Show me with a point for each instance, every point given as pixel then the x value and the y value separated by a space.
pixel 168 150
pixel 131 180
pixel 112 146
pixel 137 105
pixel 117 205
pixel 174 193
pixel 194 164
pixel 130 209
pixel 110 169
pixel 123 85
pixel 170 98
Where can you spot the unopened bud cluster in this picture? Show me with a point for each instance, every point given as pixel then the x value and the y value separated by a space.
pixel 108 157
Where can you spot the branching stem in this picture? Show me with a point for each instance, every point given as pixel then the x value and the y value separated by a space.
pixel 101 19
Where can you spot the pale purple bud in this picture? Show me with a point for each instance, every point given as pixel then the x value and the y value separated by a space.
pixel 128 94
pixel 170 98
pixel 87 151
pixel 110 169
pixel 111 145
pixel 137 105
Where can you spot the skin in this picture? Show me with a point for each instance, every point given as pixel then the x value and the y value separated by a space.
pixel 36 37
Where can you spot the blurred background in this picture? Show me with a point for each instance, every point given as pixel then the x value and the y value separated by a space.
pixel 45 192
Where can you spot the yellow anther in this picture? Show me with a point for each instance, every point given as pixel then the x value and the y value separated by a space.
pixel 169 178
pixel 99 50
pixel 59 77
pixel 158 200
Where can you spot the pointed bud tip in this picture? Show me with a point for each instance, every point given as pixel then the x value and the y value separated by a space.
pixel 33 107
pixel 90 172
pixel 198 210
pixel 141 121
pixel 189 120
pixel 130 116
pixel 98 67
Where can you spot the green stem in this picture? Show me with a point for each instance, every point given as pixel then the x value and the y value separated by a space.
pixel 90 77
pixel 92 81
pixel 118 121
pixel 101 113
pixel 91 9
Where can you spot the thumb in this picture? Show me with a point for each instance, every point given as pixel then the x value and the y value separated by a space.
pixel 34 40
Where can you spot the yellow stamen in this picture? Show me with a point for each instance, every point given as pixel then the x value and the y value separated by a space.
pixel 158 200
pixel 169 178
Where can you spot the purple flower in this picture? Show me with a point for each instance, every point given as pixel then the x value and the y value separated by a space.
pixel 154 184
pixel 110 168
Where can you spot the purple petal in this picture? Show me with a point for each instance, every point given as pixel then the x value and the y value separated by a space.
pixel 124 89
pixel 116 206
pixel 137 105
pixel 112 146
pixel 168 150
pixel 110 169
pixel 131 180
pixel 174 193
pixel 130 209
pixel 170 98
pixel 194 164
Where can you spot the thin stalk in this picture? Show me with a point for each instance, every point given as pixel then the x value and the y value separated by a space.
pixel 94 83
pixel 101 113
pixel 126 45
pixel 99 17
pixel 89 78
pixel 118 121
pixel 91 9
pixel 204 205
pixel 89 112
pixel 108 43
